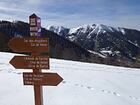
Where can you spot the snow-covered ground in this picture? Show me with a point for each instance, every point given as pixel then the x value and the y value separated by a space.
pixel 84 84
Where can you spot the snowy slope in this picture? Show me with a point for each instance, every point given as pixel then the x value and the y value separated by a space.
pixel 84 84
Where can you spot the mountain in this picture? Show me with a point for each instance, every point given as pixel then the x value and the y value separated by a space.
pixel 63 47
pixel 60 30
pixel 59 47
pixel 110 41
pixel 84 84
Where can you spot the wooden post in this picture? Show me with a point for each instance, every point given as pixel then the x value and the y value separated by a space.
pixel 38 91
pixel 38 94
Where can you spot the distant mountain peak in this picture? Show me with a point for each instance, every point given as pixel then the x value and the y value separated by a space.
pixel 103 38
pixel 92 42
pixel 92 28
pixel 87 29
pixel 60 30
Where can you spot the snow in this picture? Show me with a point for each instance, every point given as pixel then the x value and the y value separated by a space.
pixel 71 38
pixel 134 43
pixel 111 29
pixel 84 84
pixel 74 30
pixel 119 29
pixel 56 29
pixel 83 28
pixel 123 31
pixel 107 52
pixel 96 53
pixel 95 28
pixel 105 28
pixel 88 29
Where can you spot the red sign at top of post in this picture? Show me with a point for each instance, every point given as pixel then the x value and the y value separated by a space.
pixel 35 25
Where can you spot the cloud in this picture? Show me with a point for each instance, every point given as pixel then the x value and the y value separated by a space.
pixel 9 9
pixel 129 21
pixel 73 13
pixel 34 1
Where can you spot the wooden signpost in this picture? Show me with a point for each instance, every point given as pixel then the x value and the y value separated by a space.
pixel 35 45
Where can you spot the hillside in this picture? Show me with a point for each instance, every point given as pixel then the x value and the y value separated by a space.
pixel 84 84
pixel 59 46
pixel 123 53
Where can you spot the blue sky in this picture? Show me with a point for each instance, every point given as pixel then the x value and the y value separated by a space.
pixel 72 13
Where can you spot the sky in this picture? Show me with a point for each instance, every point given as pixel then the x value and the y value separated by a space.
pixel 73 13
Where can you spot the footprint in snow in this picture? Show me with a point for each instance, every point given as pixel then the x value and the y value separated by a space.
pixel 108 91
pixel 116 94
pixel 82 86
pixel 134 98
pixel 9 71
pixel 105 91
pixel 19 73
pixel 63 82
pixel 102 90
pixel 76 84
pixel 89 87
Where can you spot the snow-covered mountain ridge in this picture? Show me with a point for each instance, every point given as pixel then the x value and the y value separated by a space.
pixel 96 28
pixel 121 42
pixel 85 43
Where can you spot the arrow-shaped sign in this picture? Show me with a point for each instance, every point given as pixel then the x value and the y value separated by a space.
pixel 48 79
pixel 32 44
pixel 30 62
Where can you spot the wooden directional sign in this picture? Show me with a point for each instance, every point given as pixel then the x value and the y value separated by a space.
pixel 30 62
pixel 48 79
pixel 32 44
